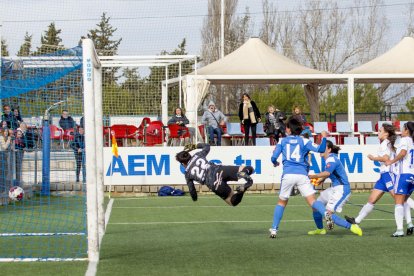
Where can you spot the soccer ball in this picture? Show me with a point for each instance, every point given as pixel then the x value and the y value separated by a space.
pixel 16 193
pixel 314 181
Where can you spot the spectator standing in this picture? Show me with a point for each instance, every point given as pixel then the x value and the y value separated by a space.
pixel 213 119
pixel 5 140
pixel 9 117
pixel 78 146
pixel 19 146
pixel 249 116
pixel 17 116
pixel 180 119
pixel 275 125
pixel 66 121
pixel 82 122
pixel 297 113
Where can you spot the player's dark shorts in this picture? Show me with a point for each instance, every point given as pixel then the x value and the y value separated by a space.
pixel 218 178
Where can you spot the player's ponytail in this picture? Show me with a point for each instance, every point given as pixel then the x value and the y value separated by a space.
pixel 334 148
pixel 410 127
pixel 183 157
pixel 392 136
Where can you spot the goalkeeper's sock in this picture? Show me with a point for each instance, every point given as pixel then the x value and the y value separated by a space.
pixel 277 216
pixel 236 198
pixel 340 221
pixel 317 217
pixel 366 209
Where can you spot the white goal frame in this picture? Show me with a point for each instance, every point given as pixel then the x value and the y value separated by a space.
pixel 92 85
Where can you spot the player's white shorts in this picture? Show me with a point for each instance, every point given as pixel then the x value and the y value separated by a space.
pixel 299 180
pixel 335 198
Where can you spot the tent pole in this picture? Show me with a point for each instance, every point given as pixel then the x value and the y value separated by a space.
pixel 351 111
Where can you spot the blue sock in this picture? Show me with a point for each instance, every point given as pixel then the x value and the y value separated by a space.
pixel 277 216
pixel 317 217
pixel 340 221
pixel 317 205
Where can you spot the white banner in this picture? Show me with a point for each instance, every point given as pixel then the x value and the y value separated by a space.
pixel 157 165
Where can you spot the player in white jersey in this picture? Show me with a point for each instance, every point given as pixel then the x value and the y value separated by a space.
pixel 295 150
pixel 385 183
pixel 405 174
pixel 214 176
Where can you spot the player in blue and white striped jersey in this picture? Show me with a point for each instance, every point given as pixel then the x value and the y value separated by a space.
pixel 405 174
pixel 386 151
pixel 335 197
pixel 294 150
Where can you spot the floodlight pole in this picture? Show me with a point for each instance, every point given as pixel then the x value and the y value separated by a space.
pixel 46 150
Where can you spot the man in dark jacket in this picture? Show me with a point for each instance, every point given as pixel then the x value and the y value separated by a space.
pixel 66 121
pixel 78 146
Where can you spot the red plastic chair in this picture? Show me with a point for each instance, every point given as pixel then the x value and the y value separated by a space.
pixel 177 134
pixel 68 136
pixel 154 134
pixel 56 134
pixel 120 133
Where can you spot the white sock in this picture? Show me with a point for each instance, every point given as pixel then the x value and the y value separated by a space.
pixel 399 216
pixel 410 202
pixel 407 214
pixel 366 209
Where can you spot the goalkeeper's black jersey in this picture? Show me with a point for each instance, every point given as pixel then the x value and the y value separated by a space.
pixel 198 165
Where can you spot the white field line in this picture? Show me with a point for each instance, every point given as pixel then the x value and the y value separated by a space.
pixel 211 196
pixel 93 266
pixel 221 206
pixel 7 260
pixel 223 221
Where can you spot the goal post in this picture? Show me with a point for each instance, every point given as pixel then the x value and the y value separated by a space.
pixel 92 88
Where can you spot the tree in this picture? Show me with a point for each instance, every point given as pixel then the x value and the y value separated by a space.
pixel 237 29
pixel 366 99
pixel 26 47
pixel 102 37
pixel 50 41
pixel 326 37
pixel 4 48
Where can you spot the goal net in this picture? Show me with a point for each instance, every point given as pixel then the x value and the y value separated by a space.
pixel 42 152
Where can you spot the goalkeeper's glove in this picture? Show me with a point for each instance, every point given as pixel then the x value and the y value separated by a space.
pixel 190 147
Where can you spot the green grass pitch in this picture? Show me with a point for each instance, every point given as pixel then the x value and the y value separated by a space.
pixel 175 236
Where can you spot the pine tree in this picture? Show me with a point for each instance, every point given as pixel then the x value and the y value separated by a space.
pixel 50 41
pixel 26 48
pixel 105 45
pixel 4 50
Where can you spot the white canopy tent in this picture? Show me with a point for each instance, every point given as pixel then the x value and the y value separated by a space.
pixel 252 63
pixel 394 66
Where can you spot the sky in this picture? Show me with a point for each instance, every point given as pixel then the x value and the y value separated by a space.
pixel 148 27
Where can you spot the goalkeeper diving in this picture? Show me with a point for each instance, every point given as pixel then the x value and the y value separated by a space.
pixel 214 176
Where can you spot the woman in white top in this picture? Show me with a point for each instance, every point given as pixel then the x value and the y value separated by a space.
pixel 403 186
pixel 385 183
